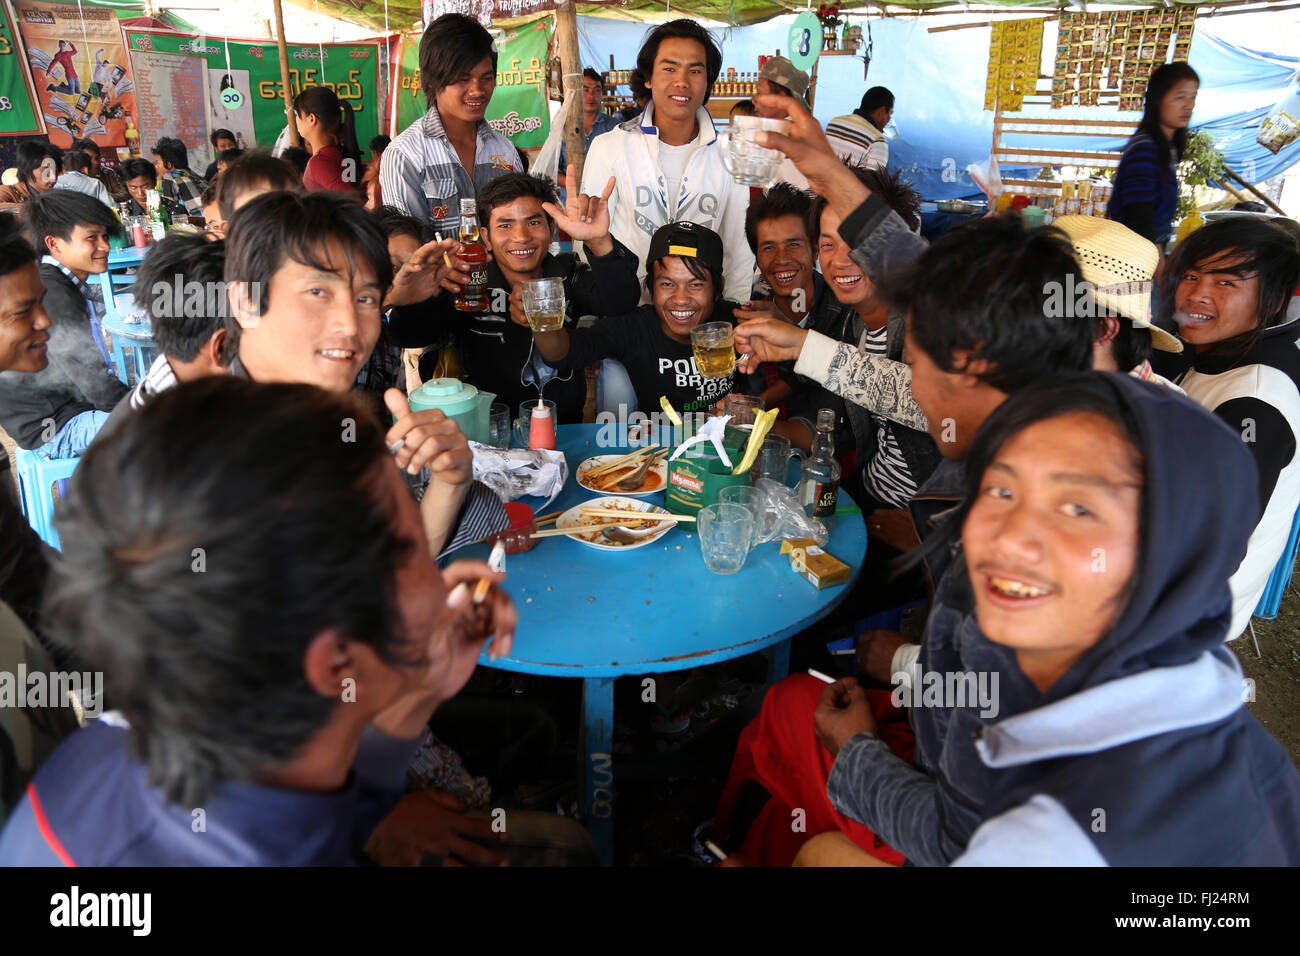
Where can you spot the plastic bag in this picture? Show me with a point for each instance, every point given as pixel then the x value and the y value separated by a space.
pixel 987 177
pixel 784 516
pixel 1281 127
pixel 522 471
pixel 547 161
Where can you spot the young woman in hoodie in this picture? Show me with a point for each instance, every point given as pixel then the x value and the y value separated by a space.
pixel 1228 286
pixel 1098 576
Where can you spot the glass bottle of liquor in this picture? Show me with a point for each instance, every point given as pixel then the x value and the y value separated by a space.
pixel 819 481
pixel 158 218
pixel 474 296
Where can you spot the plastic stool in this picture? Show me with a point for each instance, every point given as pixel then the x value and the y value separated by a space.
pixel 36 477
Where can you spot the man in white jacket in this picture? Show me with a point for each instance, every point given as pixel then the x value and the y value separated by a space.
pixel 667 162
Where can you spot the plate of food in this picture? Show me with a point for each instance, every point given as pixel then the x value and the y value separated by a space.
pixel 592 531
pixel 594 474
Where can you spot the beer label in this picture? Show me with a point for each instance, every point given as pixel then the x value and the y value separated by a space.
pixel 824 497
pixel 690 484
pixel 478 278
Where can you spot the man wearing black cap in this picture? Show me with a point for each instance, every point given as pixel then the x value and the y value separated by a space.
pixel 684 278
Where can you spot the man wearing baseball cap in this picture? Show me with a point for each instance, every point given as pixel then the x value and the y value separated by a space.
pixel 779 76
pixel 684 276
pixel 1120 267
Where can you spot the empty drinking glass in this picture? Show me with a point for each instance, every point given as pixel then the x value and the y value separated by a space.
pixel 774 458
pixel 499 425
pixel 743 409
pixel 754 501
pixel 725 533
pixel 544 304
pixel 749 163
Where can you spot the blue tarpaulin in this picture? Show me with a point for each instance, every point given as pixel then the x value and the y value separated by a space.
pixel 938 81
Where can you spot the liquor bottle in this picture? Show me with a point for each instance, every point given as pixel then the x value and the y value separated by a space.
pixel 819 480
pixel 474 297
pixel 132 135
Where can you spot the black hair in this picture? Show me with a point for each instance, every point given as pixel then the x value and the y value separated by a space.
pixel 1163 79
pixel 1050 397
pixel 229 156
pixel 1131 345
pixel 33 152
pixel 252 170
pixel 89 145
pixel 58 211
pixel 591 74
pixel 173 152
pixel 774 202
pixel 379 143
pixel 296 537
pixel 1244 246
pixel 135 168
pixel 985 288
pixel 511 186
pixel 297 158
pixel 221 134
pixel 888 185
pixel 209 194
pixel 452 45
pixel 394 222
pixel 15 251
pixel 637 81
pixel 182 285
pixel 77 161
pixel 278 226
pixel 683 30
pixel 874 99
pixel 335 117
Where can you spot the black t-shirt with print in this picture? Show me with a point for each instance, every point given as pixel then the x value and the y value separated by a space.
pixel 656 364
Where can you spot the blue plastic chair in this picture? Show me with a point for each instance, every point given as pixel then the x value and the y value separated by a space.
pixel 37 476
pixel 1271 600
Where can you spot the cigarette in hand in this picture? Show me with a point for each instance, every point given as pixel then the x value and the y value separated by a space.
pixel 497 562
pixel 445 258
pixel 821 677
pixel 715 849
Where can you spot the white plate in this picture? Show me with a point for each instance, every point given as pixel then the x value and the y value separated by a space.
pixel 659 468
pixel 572 517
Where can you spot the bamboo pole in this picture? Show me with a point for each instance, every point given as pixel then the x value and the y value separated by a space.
pixel 284 75
pixel 575 138
pixel 1264 199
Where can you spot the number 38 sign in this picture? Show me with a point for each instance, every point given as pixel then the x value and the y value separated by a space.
pixel 805 40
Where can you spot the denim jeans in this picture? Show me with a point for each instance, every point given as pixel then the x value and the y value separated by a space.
pixel 614 388
pixel 75 436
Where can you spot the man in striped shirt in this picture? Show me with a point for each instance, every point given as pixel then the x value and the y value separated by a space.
pixel 452 152
pixel 858 139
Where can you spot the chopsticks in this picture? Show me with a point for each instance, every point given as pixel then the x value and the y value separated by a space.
pixel 582 529
pixel 617 462
pixel 634 515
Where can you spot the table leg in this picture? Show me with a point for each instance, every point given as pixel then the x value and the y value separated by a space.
pixel 778 661
pixel 598 770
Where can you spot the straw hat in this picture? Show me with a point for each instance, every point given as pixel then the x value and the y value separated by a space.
pixel 1121 266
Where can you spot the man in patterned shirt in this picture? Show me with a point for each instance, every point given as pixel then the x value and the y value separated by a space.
pixel 452 152
pixel 178 183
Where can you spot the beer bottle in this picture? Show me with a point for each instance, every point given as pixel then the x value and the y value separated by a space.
pixel 474 297
pixel 158 218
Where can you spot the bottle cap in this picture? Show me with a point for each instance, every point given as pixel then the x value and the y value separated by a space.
pixel 825 418
pixel 468 207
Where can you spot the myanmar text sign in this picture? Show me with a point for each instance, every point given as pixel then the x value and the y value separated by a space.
pixel 252 70
pixel 18 107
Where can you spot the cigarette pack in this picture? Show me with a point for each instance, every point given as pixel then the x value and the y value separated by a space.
pixel 822 570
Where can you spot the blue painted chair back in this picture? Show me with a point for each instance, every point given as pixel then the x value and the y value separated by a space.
pixel 37 476
pixel 1281 576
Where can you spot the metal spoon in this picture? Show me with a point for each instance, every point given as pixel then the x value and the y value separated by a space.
pixel 633 481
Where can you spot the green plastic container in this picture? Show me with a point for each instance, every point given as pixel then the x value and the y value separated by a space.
pixel 696 479
pixel 457 400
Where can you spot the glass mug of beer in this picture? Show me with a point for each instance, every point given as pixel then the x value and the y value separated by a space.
pixel 714 346
pixel 749 163
pixel 544 304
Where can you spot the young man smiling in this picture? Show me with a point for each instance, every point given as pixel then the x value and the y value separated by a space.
pixel 452 153
pixel 58 410
pixel 497 355
pixel 668 162
pixel 654 342
pixel 594 120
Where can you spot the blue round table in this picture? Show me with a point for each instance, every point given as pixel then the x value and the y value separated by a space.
pixel 599 615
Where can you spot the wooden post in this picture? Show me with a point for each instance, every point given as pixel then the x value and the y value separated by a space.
pixel 284 75
pixel 575 138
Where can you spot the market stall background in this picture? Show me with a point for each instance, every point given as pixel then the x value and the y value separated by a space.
pixel 939 79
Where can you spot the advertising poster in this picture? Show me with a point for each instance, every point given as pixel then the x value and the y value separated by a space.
pixel 518 109
pixel 79 69
pixel 19 107
pixel 172 91
pixel 246 77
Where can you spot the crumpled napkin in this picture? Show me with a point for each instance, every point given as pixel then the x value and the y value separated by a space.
pixel 520 471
